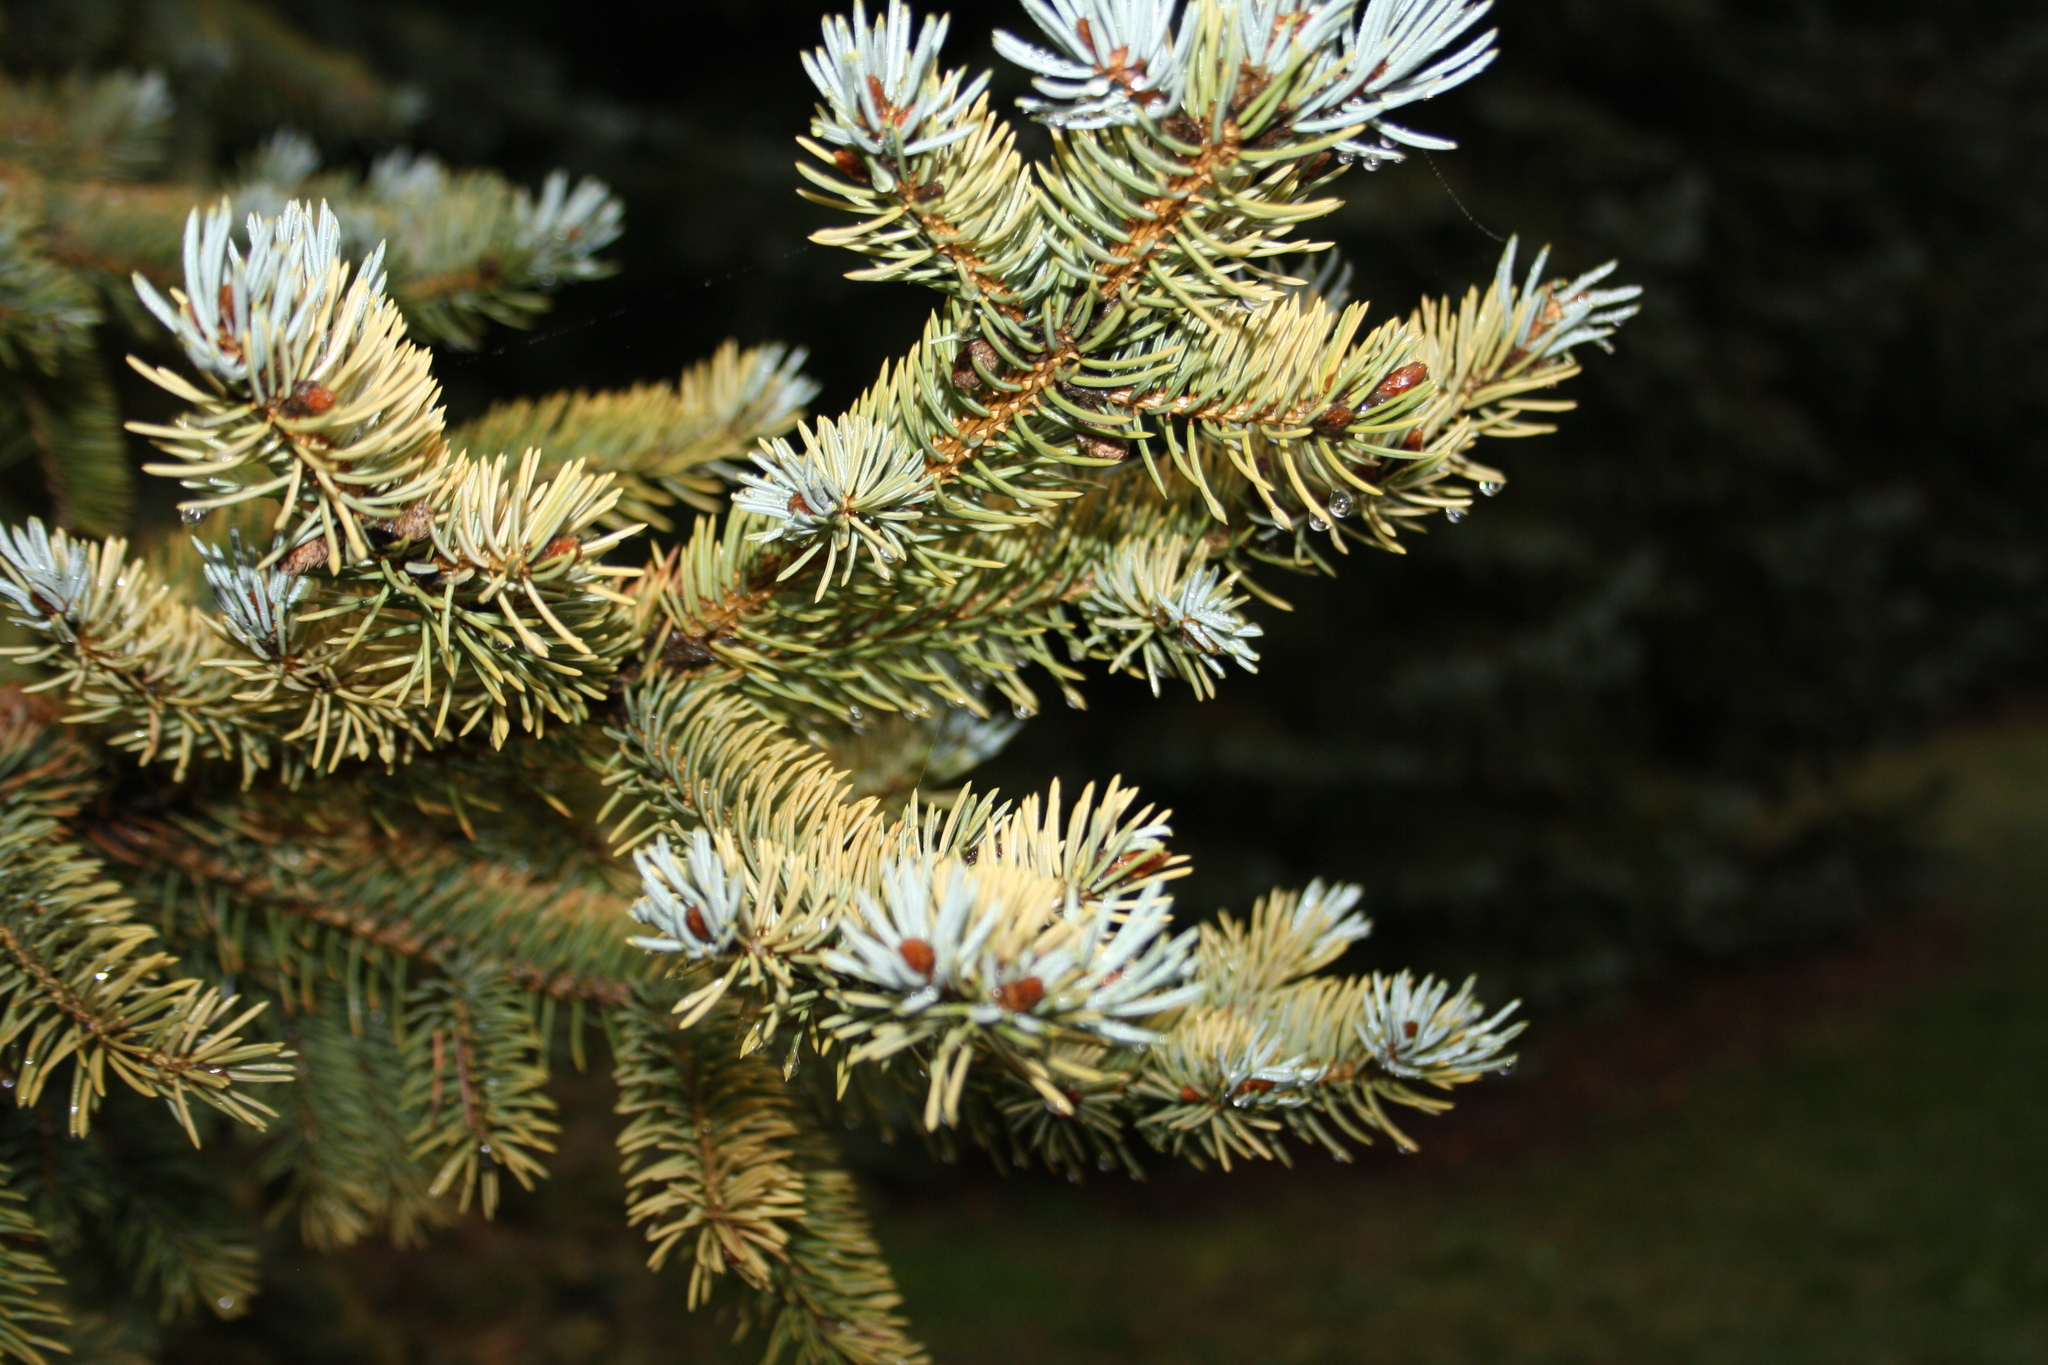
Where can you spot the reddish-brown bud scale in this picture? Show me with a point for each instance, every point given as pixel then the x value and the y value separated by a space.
pixel 1335 421
pixel 918 956
pixel 305 558
pixel 1398 383
pixel 686 651
pixel 1256 1085
pixel 415 522
pixel 1021 996
pixel 693 918
pixel 561 545
pixel 1408 1028
pixel 851 166
pixel 798 505
pixel 309 400
pixel 1415 440
pixel 1101 447
pixel 1189 1095
pixel 1139 863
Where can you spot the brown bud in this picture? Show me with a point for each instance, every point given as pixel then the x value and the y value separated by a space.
pixel 1334 422
pixel 1414 440
pixel 1254 1085
pixel 925 193
pixel 798 505
pixel 851 166
pixel 1138 863
pixel 1398 383
pixel 681 651
pixel 693 918
pixel 1189 1095
pixel 562 545
pixel 965 376
pixel 308 400
pixel 1021 996
pixel 1081 397
pixel 414 523
pixel 306 557
pixel 1408 1027
pixel 1181 128
pixel 1101 447
pixel 919 956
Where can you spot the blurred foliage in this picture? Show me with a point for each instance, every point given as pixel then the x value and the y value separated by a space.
pixel 1793 519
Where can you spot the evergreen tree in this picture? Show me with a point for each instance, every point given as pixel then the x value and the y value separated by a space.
pixel 341 814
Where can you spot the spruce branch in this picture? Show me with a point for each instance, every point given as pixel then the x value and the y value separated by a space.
pixel 32 1321
pixel 56 406
pixel 343 1148
pixel 834 1301
pixel 667 444
pixel 707 1152
pixel 474 1070
pixel 343 900
pixel 87 127
pixel 132 1211
pixel 413 649
pixel 80 982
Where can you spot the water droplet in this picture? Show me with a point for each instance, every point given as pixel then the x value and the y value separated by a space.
pixel 1489 488
pixel 1454 514
pixel 1318 524
pixel 1023 712
pixel 1507 1068
pixel 854 716
pixel 224 1304
pixel 99 976
pixel 1340 505
pixel 192 516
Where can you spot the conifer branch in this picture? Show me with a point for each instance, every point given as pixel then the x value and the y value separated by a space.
pixel 79 982
pixel 666 443
pixel 132 1205
pixel 343 897
pixel 475 1064
pixel 414 642
pixel 834 1301
pixel 32 1321
pixel 707 1151
pixel 343 1146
